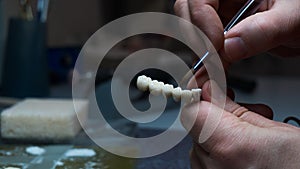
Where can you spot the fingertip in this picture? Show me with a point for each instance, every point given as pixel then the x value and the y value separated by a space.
pixel 198 79
pixel 210 87
pixel 257 33
pixel 206 91
pixel 206 18
pixel 179 7
pixel 235 49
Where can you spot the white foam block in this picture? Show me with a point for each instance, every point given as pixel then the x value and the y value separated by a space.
pixel 43 119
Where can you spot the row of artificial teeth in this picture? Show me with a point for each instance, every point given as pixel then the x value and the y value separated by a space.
pixel 156 88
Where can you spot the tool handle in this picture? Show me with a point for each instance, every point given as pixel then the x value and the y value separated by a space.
pixel 248 9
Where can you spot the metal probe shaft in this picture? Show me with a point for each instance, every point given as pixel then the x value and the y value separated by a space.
pixel 248 9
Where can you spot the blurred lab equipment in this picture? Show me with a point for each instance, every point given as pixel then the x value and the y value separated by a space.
pixel 25 64
pixel 1 38
pixel 250 7
pixel 42 10
pixel 26 10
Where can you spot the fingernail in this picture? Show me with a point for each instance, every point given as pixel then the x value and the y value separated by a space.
pixel 235 48
pixel 206 91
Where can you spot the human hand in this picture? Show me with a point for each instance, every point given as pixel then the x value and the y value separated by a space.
pixel 275 28
pixel 244 138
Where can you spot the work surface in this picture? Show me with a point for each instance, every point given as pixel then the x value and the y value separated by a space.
pixel 15 155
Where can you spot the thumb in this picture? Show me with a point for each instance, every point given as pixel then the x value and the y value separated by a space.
pixel 233 121
pixel 234 126
pixel 255 114
pixel 262 31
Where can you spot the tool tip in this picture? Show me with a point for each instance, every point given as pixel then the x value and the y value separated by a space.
pixel 184 81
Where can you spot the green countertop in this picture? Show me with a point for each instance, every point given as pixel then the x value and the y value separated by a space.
pixel 54 157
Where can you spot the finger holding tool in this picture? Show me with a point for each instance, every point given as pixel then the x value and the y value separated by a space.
pixel 248 9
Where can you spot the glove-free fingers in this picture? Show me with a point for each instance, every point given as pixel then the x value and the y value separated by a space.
pixel 181 9
pixel 198 79
pixel 240 111
pixel 231 131
pixel 192 34
pixel 264 28
pixel 204 15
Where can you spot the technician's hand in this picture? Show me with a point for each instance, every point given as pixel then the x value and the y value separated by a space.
pixel 275 28
pixel 244 138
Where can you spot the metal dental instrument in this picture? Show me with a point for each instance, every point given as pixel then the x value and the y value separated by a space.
pixel 248 9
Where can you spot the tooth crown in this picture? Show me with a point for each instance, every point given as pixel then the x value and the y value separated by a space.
pixel 156 88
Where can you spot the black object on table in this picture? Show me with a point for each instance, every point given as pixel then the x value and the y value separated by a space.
pixel 25 63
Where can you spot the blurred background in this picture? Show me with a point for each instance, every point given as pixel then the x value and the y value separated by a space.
pixel 70 23
pixel 39 45
pixel 67 27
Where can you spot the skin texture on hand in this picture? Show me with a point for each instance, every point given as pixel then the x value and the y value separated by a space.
pixel 245 137
pixel 275 28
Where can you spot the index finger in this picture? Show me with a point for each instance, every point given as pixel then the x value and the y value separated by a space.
pixel 204 15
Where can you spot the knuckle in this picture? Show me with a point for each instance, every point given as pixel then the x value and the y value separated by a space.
pixel 179 6
pixel 199 12
pixel 240 111
pixel 196 16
